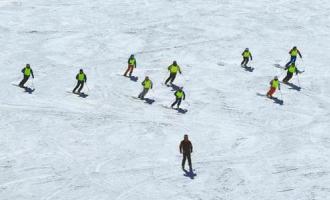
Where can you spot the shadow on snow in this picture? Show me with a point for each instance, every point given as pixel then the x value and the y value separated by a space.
pixel 275 99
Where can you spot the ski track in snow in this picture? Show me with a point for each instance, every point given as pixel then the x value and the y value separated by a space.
pixel 55 145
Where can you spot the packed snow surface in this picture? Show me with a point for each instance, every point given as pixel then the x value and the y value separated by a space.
pixel 109 146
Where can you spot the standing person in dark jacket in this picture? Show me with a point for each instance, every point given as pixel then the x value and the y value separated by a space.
pixel 174 69
pixel 179 95
pixel 82 79
pixel 27 72
pixel 131 65
pixel 186 149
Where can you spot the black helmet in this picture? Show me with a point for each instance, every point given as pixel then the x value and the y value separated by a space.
pixel 174 63
pixel 28 65
pixel 132 55
pixel 81 70
pixel 294 47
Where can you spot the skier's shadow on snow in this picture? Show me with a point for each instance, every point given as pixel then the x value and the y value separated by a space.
pixel 149 101
pixel 189 174
pixel 249 69
pixel 277 101
pixel 175 87
pixel 83 95
pixel 293 86
pixel 182 111
pixel 29 90
pixel 134 78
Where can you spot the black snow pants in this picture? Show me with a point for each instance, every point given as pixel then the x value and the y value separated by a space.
pixel 288 77
pixel 171 78
pixel 25 79
pixel 184 158
pixel 177 101
pixel 80 84
pixel 245 62
pixel 143 93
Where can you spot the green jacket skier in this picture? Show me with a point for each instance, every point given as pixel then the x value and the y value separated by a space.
pixel 179 96
pixel 147 85
pixel 174 69
pixel 27 72
pixel 246 57
pixel 291 70
pixel 81 80
pixel 131 65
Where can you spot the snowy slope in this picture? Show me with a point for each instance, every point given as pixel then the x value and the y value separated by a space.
pixel 55 145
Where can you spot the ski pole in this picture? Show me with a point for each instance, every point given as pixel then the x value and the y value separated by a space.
pixel 298 80
pixel 87 87
pixel 32 83
pixel 281 94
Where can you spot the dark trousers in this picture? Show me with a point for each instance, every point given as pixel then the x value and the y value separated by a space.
pixel 184 158
pixel 129 70
pixel 177 101
pixel 143 93
pixel 288 77
pixel 245 62
pixel 292 60
pixel 171 78
pixel 25 79
pixel 80 84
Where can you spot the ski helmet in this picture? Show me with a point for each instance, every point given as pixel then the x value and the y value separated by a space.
pixel 174 63
pixel 28 65
pixel 275 77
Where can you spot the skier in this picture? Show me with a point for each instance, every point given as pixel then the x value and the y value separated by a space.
pixel 291 69
pixel 186 149
pixel 82 79
pixel 174 69
pixel 179 94
pixel 246 57
pixel 293 52
pixel 27 72
pixel 147 84
pixel 131 65
pixel 274 84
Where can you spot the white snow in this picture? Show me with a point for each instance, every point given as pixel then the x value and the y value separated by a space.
pixel 55 145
